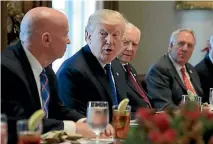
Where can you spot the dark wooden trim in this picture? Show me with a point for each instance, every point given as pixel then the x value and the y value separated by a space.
pixel 3 25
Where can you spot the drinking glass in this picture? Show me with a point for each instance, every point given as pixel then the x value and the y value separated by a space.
pixel 27 136
pixel 121 122
pixel 211 96
pixel 197 100
pixel 4 129
pixel 97 117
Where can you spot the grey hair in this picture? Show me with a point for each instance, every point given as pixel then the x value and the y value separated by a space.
pixel 105 16
pixel 131 26
pixel 175 34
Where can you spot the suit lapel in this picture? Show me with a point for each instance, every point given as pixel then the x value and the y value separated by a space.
pixel 174 71
pixel 98 71
pixel 118 83
pixel 177 77
pixel 31 83
pixel 131 84
pixel 105 84
pixel 128 80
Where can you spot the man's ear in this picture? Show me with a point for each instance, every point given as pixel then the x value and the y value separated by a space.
pixel 46 39
pixel 170 46
pixel 87 37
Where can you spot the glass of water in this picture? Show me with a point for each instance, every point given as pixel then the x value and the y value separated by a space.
pixel 97 117
pixel 211 96
pixel 195 99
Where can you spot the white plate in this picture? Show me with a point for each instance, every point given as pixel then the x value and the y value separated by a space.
pixel 104 141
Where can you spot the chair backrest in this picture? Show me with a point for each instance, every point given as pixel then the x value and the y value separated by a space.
pixel 141 80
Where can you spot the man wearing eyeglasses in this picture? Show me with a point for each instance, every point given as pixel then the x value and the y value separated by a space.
pixel 172 76
pixel 135 93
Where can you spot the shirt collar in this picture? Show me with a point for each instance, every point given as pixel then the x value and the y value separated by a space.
pixel 35 65
pixel 176 65
pixel 123 64
pixel 101 63
pixel 211 59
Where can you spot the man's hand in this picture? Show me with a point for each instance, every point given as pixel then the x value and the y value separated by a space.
pixel 206 108
pixel 83 129
pixel 108 132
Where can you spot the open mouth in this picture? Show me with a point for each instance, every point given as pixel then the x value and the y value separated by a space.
pixel 108 51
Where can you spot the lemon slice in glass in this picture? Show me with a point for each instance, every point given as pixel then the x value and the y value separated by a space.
pixel 35 119
pixel 122 105
pixel 191 95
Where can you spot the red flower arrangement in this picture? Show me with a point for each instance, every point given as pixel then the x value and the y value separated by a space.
pixel 169 127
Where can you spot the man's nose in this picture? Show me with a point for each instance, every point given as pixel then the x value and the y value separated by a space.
pixel 109 39
pixel 129 47
pixel 185 47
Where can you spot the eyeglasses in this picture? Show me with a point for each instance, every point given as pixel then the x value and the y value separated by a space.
pixel 183 43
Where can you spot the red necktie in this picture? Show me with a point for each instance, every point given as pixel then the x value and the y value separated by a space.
pixel 187 82
pixel 138 88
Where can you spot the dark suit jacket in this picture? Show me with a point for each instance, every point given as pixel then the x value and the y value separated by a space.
pixel 19 93
pixel 164 86
pixel 205 72
pixel 135 99
pixel 82 79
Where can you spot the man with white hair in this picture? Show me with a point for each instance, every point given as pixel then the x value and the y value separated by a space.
pixel 135 92
pixel 29 83
pixel 87 75
pixel 172 76
pixel 205 71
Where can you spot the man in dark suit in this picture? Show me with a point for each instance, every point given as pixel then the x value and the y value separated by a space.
pixel 23 66
pixel 87 75
pixel 205 72
pixel 135 92
pixel 172 76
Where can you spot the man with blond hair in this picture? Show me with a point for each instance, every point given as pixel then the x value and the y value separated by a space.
pixel 172 76
pixel 87 75
pixel 29 83
pixel 205 71
pixel 135 92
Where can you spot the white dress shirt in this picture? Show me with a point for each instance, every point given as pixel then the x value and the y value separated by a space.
pixel 178 69
pixel 69 126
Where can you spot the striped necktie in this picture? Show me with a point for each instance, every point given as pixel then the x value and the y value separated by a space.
pixel 45 94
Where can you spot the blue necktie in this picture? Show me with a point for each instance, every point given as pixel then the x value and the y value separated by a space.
pixel 44 92
pixel 112 85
